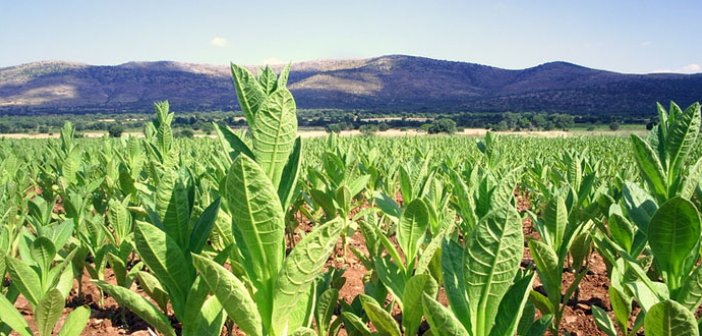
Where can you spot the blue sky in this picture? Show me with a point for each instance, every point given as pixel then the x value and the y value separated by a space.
pixel 621 35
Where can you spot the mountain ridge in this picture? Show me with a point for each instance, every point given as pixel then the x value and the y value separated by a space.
pixel 384 83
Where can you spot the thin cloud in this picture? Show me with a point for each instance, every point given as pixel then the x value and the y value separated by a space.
pixel 687 69
pixel 218 41
pixel 646 44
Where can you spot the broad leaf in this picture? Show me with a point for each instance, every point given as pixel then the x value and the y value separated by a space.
pixel 75 322
pixel 167 262
pixel 232 294
pixel 441 320
pixel 412 228
pixel 673 233
pixel 258 217
pixel 139 306
pixel 492 261
pixel 300 269
pixel 415 288
pixel 669 318
pixel 48 311
pixel 382 320
pixel 275 133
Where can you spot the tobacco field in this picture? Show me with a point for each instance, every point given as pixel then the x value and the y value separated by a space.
pixel 258 232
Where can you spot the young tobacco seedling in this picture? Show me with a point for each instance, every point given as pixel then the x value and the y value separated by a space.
pixel 271 294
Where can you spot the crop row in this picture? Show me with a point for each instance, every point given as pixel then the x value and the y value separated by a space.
pixel 243 233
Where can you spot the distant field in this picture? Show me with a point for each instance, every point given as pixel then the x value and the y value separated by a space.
pixel 314 133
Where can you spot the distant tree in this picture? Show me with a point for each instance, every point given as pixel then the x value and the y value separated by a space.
pixel 333 128
pixel 523 123
pixel 443 125
pixel 613 126
pixel 500 126
pixel 424 127
pixel 368 130
pixel 540 120
pixel 383 127
pixel 115 130
pixel 563 121
pixel 591 128
pixel 186 133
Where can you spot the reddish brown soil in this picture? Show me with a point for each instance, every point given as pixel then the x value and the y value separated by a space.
pixel 108 319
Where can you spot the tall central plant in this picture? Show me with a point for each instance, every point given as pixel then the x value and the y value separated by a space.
pixel 270 294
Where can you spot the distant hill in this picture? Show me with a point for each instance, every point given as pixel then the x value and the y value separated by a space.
pixel 387 83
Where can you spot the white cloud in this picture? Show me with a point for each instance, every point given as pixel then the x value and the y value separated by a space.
pixel 218 41
pixel 273 61
pixel 687 69
pixel 692 68
pixel 646 44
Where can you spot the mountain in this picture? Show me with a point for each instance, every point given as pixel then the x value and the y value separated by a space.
pixel 387 83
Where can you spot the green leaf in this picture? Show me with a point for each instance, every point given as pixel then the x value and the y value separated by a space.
pixel 176 217
pixel 119 218
pixel 492 261
pixel 412 301
pixel 651 168
pixel 548 267
pixel 48 311
pixel 283 78
pixel 26 280
pixel 275 133
pixel 441 320
pixel 556 220
pixel 13 318
pixel 167 262
pixel 639 205
pixel 669 318
pixel 682 135
pixel 43 253
pixel 512 306
pixel 412 228
pixel 604 323
pixel 203 227
pixel 539 327
pixel 452 263
pixel 692 180
pixel 391 276
pixel 527 319
pixel 249 93
pixel 325 309
pixel 232 294
pixel 406 187
pixel 647 295
pixel 621 305
pixel 231 142
pixel 152 287
pixel 381 319
pixel 622 231
pixel 353 322
pixel 300 269
pixel 258 216
pixel 427 255
pixel 209 319
pixel 690 294
pixel 673 233
pixel 290 174
pixel 139 306
pixel 267 80
pixel 75 322
pixel 304 332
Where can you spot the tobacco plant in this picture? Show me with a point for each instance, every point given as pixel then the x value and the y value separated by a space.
pixel 270 295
